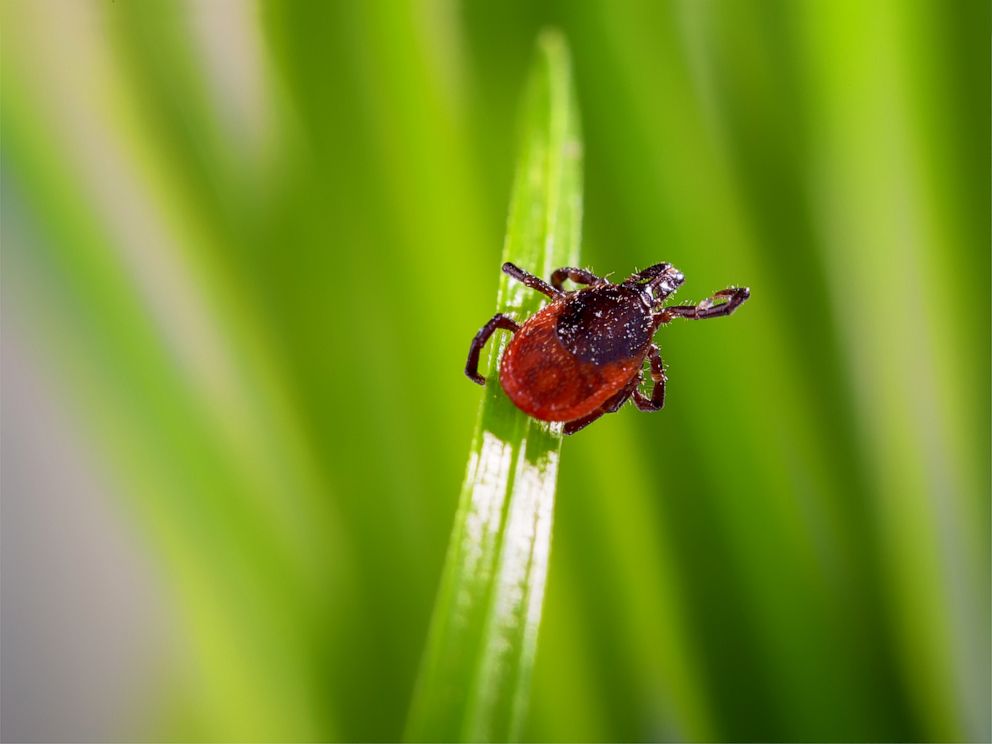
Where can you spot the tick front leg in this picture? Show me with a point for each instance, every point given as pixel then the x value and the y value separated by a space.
pixel 495 323
pixel 534 282
pixel 579 276
pixel 657 400
pixel 732 298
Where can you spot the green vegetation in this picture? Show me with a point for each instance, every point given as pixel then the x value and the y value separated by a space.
pixel 246 246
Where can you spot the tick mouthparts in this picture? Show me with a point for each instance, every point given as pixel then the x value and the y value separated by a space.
pixel 666 282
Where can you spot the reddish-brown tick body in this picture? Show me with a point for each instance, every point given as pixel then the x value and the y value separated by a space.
pixel 583 355
pixel 577 353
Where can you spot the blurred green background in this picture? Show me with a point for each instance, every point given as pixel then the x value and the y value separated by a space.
pixel 245 246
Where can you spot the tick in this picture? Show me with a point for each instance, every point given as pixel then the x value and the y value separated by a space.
pixel 582 356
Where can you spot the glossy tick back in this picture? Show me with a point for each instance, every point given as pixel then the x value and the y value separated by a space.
pixel 583 355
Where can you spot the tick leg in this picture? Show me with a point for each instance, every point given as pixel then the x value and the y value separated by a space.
pixel 657 400
pixel 496 322
pixel 579 276
pixel 534 282
pixel 732 299
pixel 581 423
pixel 611 406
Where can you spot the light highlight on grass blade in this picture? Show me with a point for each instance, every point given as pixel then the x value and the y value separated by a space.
pixel 475 675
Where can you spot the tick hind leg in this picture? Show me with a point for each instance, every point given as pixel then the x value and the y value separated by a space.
pixel 711 307
pixel 579 276
pixel 495 323
pixel 611 406
pixel 534 282
pixel 579 424
pixel 657 400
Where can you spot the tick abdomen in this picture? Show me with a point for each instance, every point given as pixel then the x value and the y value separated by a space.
pixel 545 379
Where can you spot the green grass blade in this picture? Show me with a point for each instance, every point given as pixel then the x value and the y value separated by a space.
pixel 475 676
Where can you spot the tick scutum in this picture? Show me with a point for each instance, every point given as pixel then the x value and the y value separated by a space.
pixel 601 325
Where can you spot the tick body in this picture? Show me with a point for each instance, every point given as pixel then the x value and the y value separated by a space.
pixel 583 355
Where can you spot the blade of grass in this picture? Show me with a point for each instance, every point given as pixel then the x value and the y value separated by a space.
pixel 475 676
